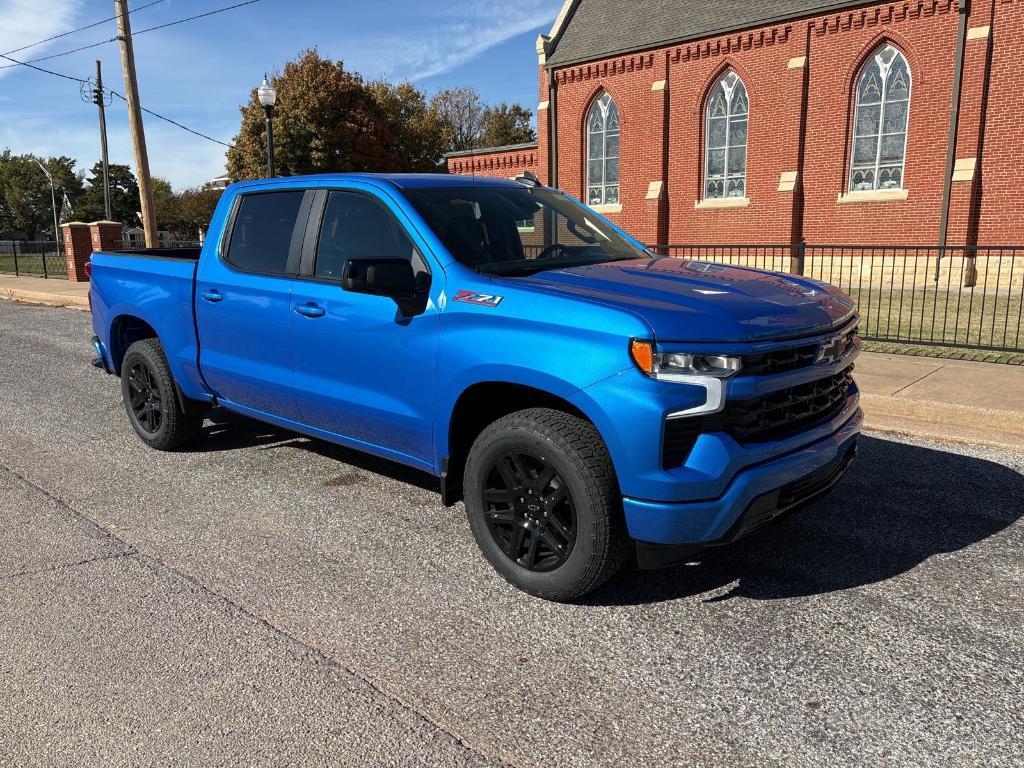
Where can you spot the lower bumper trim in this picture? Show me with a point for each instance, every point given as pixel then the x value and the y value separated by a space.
pixel 762 511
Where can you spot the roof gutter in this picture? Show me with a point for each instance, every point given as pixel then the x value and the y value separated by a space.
pixel 954 127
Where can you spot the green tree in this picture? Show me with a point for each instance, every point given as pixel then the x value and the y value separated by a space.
pixel 184 213
pixel 326 120
pixel 507 124
pixel 26 207
pixel 124 196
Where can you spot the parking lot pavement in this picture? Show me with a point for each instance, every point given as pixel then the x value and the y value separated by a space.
pixel 268 599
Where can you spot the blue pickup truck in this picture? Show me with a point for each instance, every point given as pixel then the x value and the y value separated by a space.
pixel 593 403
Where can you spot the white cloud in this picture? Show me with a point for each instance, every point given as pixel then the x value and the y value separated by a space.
pixel 461 32
pixel 25 22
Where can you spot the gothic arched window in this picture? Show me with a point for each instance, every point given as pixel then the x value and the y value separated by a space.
pixel 880 122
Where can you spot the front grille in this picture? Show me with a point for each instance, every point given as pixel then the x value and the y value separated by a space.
pixel 774 416
pixel 779 361
pixel 785 412
pixel 791 358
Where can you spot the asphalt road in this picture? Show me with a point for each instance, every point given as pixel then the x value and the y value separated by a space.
pixel 269 600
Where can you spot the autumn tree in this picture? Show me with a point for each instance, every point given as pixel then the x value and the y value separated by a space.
pixel 326 120
pixel 461 113
pixel 418 133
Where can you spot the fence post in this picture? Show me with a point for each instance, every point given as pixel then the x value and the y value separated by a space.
pixel 797 255
pixel 16 274
pixel 42 251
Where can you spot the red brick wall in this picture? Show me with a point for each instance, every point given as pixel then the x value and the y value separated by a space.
pixel 503 164
pixel 662 130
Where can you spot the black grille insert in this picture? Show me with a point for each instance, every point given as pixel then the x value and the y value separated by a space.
pixel 774 416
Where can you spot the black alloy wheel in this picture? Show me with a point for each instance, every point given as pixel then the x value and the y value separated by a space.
pixel 145 397
pixel 529 510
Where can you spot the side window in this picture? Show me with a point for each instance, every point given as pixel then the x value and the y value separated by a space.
pixel 357 226
pixel 262 232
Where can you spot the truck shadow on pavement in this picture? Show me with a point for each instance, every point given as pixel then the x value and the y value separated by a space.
pixel 898 506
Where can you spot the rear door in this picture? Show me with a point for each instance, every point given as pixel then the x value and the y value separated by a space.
pixel 363 370
pixel 243 302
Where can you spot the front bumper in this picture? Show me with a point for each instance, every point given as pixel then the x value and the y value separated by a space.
pixel 714 521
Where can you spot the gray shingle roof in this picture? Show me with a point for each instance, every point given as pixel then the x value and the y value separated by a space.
pixel 600 28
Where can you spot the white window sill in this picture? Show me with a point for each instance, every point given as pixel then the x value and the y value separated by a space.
pixel 722 202
pixel 607 208
pixel 877 196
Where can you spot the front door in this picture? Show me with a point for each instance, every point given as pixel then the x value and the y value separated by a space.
pixel 363 370
pixel 243 303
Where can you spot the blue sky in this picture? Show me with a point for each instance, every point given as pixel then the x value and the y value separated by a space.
pixel 200 72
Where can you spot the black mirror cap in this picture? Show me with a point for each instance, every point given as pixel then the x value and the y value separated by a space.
pixel 393 278
pixel 380 277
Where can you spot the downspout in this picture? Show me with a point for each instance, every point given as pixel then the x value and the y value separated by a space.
pixel 954 127
pixel 553 128
pixel 799 251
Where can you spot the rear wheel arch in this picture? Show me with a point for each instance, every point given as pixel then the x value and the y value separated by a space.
pixel 125 330
pixel 477 407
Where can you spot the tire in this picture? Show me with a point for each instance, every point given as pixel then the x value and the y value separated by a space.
pixel 516 505
pixel 151 399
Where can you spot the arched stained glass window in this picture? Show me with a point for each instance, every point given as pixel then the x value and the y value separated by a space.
pixel 880 122
pixel 603 152
pixel 725 163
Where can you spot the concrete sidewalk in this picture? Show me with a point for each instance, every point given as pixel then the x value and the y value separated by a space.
pixel 55 292
pixel 957 400
pixel 954 400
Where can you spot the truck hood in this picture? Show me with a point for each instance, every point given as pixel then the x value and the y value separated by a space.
pixel 702 301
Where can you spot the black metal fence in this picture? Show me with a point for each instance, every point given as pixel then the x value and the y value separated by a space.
pixel 967 297
pixel 33 258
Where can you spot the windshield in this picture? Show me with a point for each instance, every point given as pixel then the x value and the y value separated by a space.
pixel 519 230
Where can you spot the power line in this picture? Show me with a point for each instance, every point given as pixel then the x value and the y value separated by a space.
pixel 80 29
pixel 114 39
pixel 39 69
pixel 174 122
pixel 193 18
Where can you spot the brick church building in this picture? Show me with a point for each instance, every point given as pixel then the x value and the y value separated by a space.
pixel 783 121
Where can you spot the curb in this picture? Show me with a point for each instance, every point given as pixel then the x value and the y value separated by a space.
pixel 944 421
pixel 40 298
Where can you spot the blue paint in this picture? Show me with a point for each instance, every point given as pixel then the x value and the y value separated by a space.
pixel 351 368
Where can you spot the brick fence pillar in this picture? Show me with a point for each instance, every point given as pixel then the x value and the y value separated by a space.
pixel 106 235
pixel 77 249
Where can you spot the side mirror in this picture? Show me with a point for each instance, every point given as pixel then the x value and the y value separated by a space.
pixel 380 277
pixel 394 278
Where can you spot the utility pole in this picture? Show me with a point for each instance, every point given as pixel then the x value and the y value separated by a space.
pixel 99 101
pixel 131 88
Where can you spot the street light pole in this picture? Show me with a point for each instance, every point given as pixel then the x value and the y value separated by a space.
pixel 53 201
pixel 268 98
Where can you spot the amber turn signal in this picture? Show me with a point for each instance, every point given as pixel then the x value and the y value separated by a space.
pixel 643 355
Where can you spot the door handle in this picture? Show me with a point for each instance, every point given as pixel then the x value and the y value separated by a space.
pixel 310 310
pixel 212 295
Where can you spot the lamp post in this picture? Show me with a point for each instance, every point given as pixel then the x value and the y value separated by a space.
pixel 268 98
pixel 53 201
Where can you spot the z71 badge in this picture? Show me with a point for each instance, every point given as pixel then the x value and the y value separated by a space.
pixel 483 299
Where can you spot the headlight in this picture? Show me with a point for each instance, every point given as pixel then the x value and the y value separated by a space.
pixel 677 366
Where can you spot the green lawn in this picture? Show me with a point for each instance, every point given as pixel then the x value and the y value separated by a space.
pixel 962 319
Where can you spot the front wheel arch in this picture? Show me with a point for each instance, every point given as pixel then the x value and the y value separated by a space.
pixel 479 406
